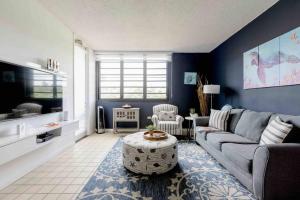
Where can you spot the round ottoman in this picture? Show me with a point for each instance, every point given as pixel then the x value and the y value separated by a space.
pixel 149 157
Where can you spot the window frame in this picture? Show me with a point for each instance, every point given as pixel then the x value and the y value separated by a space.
pixel 144 99
pixel 98 82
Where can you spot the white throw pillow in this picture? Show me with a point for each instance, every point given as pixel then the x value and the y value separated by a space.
pixel 218 119
pixel 226 107
pixel 275 132
pixel 167 116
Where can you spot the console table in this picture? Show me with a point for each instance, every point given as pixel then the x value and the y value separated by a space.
pixel 126 116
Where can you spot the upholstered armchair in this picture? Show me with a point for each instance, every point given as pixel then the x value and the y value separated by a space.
pixel 174 126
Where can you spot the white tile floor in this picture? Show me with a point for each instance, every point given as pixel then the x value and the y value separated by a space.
pixel 64 176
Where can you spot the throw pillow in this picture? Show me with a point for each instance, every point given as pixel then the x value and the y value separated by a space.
pixel 275 132
pixel 218 119
pixel 167 116
pixel 226 107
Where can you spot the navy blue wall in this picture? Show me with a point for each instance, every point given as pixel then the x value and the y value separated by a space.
pixel 184 96
pixel 228 62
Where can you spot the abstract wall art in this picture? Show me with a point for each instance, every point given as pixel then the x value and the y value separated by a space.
pixel 274 63
pixel 290 58
pixel 190 78
pixel 250 69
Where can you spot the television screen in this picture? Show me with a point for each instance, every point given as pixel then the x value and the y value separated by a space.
pixel 26 92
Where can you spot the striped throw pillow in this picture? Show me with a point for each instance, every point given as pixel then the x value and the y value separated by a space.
pixel 218 119
pixel 275 132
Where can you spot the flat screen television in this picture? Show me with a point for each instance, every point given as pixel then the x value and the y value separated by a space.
pixel 27 92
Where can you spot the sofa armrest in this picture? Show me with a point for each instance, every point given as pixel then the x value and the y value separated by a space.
pixel 154 120
pixel 276 171
pixel 201 121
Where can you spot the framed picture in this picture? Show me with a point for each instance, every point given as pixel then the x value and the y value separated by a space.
pixel 261 65
pixel 274 63
pixel 290 58
pixel 250 66
pixel 190 78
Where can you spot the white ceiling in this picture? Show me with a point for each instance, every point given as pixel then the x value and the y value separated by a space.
pixel 156 25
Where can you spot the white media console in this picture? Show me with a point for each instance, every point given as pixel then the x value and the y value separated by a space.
pixel 19 154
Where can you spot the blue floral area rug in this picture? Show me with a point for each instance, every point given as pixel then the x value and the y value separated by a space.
pixel 197 176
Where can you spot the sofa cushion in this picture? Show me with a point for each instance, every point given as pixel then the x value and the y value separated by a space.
pixel 217 139
pixel 234 117
pixel 240 154
pixel 294 135
pixel 204 131
pixel 252 124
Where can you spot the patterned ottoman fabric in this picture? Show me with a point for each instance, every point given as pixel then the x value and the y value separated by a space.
pixel 149 157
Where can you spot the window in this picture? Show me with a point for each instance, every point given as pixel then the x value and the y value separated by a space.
pixel 156 80
pixel 133 76
pixel 110 76
pixel 133 80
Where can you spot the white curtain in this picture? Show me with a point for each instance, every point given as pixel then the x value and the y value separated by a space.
pixel 80 106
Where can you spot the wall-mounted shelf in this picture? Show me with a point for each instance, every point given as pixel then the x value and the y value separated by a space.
pixel 12 147
pixel 37 67
pixel 6 140
pixel 47 142
pixel 20 155
pixel 47 136
pixel 60 73
pixel 44 69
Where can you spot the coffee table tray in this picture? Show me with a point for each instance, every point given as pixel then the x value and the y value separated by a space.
pixel 155 135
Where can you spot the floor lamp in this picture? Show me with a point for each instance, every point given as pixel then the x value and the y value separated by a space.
pixel 211 89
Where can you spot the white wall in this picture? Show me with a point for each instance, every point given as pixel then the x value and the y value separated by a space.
pixel 29 33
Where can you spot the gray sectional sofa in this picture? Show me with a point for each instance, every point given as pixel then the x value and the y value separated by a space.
pixel 269 171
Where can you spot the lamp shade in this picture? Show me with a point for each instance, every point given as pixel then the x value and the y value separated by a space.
pixel 211 89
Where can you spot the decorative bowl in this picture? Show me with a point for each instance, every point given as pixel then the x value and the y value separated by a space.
pixel 155 135
pixel 126 106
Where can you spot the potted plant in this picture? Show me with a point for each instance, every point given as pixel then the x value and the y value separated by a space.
pixel 151 128
pixel 192 110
